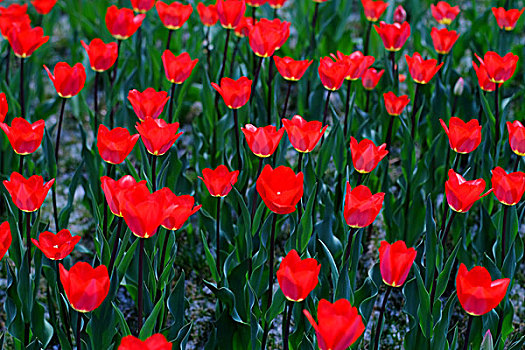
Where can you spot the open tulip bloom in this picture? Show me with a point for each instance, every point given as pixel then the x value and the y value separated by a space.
pixel 462 194
pixel 516 137
pixel 155 342
pixel 296 277
pixel 23 136
pixel 507 18
pixel 444 13
pixel 5 238
pixel 28 194
pixel 463 137
pixel 280 188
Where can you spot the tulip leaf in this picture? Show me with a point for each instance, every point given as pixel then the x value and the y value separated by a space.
pixel 41 328
pixel 49 151
pixel 305 225
pixel 430 243
pixel 65 213
pixel 209 258
pixel 444 275
pixel 425 316
pixel 147 328
pixel 176 303
pixel 333 266
pixel 124 328
pixel 439 336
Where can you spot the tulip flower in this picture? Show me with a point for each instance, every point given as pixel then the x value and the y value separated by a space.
pixel 208 14
pixel 155 342
pixel 291 69
pixel 220 181
pixel 178 210
pixel 400 15
pixel 499 69
pixel 56 246
pixel 507 18
pixel 361 206
pixel 116 144
pixel 459 87
pixel 24 40
pixel 296 277
pixel 373 9
pixel 43 7
pixel 461 194
pixel 483 78
pixel 262 141
pixel 27 194
pixel 113 188
pixel 516 137
pixel 68 81
pixel 5 238
pixel 280 188
pixel 173 16
pixel 256 3
pixel 508 188
pixel 157 135
pixel 4 108
pixel 395 261
pixel 13 16
pixel 268 36
pixel 366 155
pixel 444 13
pixel 463 137
pixel 178 68
pixel 394 35
pixel 142 6
pixel 244 27
pixel 86 287
pixel 122 23
pixel 230 12
pixel 422 71
pixel 102 56
pixel 477 293
pixel 149 103
pixel 276 4
pixel 339 324
pixel 395 105
pixel 443 39
pixel 357 63
pixel 332 73
pixel 371 78
pixel 235 93
pixel 303 135
pixel 24 137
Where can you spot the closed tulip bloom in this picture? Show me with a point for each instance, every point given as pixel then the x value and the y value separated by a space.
pixel 371 78
pixel 68 81
pixel 23 136
pixel 483 78
pixel 56 246
pixel 276 4
pixel 27 194
pixel 477 293
pixel 155 342
pixel 268 36
pixel 122 23
pixel 366 155
pixel 332 73
pixel 516 137
pixel 280 188
pixel 244 27
pixel 395 105
pixel 235 93
pixel 86 287
pixel 5 238
pixel 422 71
pixel 178 68
pixel 43 7
pixel 499 69
pixel 361 206
pixel 173 16
pixel 291 69
pixel 339 324
pixel 25 40
pixel 507 18
pixel 508 188
pixel 463 137
pixel 444 13
pixel 113 188
pixel 157 135
pixel 116 144
pixel 394 35
pixel 373 9
pixel 4 108
pixel 230 12
pixel 357 63
pixel 400 15
pixel 395 261
pixel 149 103
pixel 142 6
pixel 443 39
pixel 178 209
pixel 296 277
pixel 102 56
pixel 262 141
pixel 208 14
pixel 303 135
pixel 219 181
pixel 462 194
pixel 11 16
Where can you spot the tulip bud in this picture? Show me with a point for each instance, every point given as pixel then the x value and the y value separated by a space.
pixel 400 15
pixel 487 343
pixel 458 88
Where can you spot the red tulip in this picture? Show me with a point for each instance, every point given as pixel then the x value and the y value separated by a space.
pixel 332 73
pixel 230 12
pixel 5 238
pixel 394 35
pixel 400 15
pixel 443 39
pixel 68 81
pixel 422 71
pixel 13 15
pixel 262 141
pixel 296 277
pixel 25 40
pixel 208 14
pixel 507 19
pixel 373 9
pixel 268 36
pixel 27 194
pixel 463 137
pixel 276 4
pixel 499 69
pixel 155 342
pixel 361 206
pixel 366 155
pixel 122 23
pixel 291 69
pixel 4 108
pixel 24 137
pixel 112 190
pixel 220 181
pixel 235 93
pixel 395 261
pixel 43 6
pixel 395 105
pixel 516 137
pixel 244 27
pixel 142 6
pixel 178 210
pixel 508 188
pixel 56 246
pixel 477 293
pixel 178 68
pixel 371 78
pixel 356 62
pixel 483 78
pixel 280 188
pixel 444 13
pixel 86 287
pixel 255 3
pixel 116 144
pixel 101 56
pixel 462 194
pixel 340 324
pixel 303 135
pixel 149 103
pixel 157 135
pixel 173 16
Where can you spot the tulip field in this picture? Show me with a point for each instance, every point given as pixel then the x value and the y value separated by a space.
pixel 262 174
